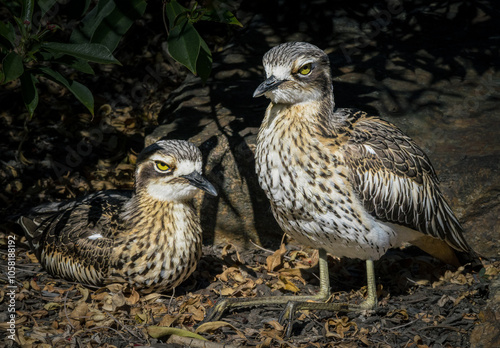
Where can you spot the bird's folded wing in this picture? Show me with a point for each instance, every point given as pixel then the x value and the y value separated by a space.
pixel 396 182
pixel 82 230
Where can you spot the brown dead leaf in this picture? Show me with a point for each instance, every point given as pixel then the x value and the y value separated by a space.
pixel 34 285
pixel 84 292
pixel 273 334
pixel 97 315
pixel 341 328
pixel 108 304
pixel 99 296
pixel 133 298
pixel 40 313
pixel 194 307
pixel 275 260
pixel 118 300
pixel 49 287
pixel 228 274
pixel 276 325
pixel 226 291
pixel 292 273
pixel 168 320
pixel 226 252
pixel 400 313
pixel 80 311
pixel 141 318
pixel 444 299
pixel 215 325
pixel 115 287
pixel 288 285
pixel 52 306
pixel 151 297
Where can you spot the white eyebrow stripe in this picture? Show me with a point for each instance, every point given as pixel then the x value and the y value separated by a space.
pixel 95 236
pixel 160 157
pixel 280 72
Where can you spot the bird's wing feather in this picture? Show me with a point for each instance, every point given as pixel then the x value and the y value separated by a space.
pixel 396 181
pixel 75 234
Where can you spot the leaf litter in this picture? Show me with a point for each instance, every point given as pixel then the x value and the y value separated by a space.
pixel 442 311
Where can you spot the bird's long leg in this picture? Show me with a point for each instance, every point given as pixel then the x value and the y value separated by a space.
pixel 322 295
pixel 292 307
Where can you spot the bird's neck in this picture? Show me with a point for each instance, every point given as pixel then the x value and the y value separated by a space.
pixel 146 217
pixel 313 116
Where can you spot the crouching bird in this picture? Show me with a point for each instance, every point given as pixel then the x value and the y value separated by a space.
pixel 340 180
pixel 149 238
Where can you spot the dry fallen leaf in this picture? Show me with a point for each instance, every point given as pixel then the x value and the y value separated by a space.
pixel 133 298
pixel 34 285
pixel 287 285
pixel 214 325
pixel 275 260
pixel 51 306
pixel 401 313
pixel 341 328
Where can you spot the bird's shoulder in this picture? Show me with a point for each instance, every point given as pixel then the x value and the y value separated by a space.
pixel 371 143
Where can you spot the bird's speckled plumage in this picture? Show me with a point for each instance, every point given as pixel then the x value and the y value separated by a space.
pixel 340 179
pixel 149 237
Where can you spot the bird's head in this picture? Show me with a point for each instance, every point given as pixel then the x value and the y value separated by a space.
pixel 170 170
pixel 296 72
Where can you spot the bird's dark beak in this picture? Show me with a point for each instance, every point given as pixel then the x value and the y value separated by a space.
pixel 268 85
pixel 199 181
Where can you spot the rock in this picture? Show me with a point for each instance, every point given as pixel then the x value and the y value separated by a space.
pixel 487 334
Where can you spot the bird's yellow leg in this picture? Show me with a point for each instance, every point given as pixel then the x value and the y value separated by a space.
pixel 324 293
pixel 292 307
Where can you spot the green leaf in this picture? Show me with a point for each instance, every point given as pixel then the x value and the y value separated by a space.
pixel 12 67
pixel 204 62
pixel 183 44
pixel 28 8
pixel 118 22
pixel 21 27
pixel 91 22
pixel 221 16
pixel 81 92
pixel 81 65
pixel 8 32
pixel 75 63
pixel 45 5
pixel 29 91
pixel 108 22
pixel 173 10
pixel 89 51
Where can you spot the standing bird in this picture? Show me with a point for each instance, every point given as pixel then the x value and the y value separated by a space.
pixel 339 180
pixel 149 237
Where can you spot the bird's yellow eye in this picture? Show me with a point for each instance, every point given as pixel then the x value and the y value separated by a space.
pixel 162 166
pixel 305 69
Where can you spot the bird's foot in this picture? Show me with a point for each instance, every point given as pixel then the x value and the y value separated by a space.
pixel 226 303
pixel 216 312
pixel 288 314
